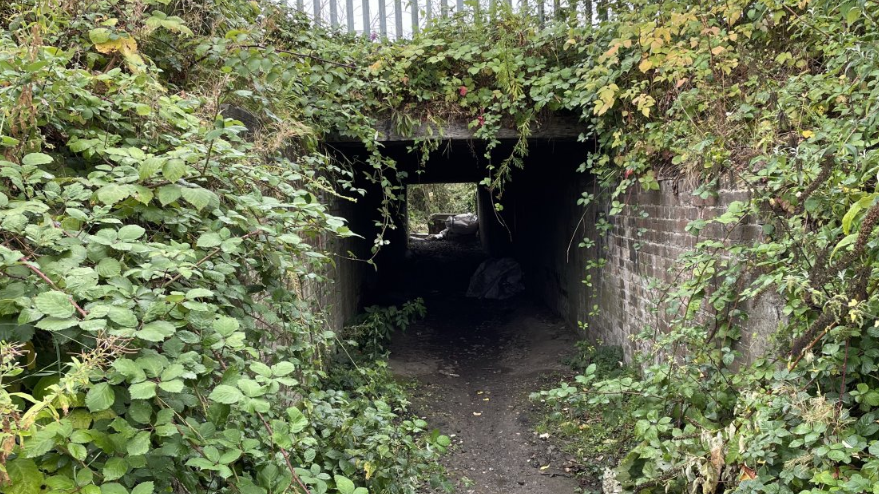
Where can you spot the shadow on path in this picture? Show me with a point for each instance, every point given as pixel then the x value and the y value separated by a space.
pixel 475 362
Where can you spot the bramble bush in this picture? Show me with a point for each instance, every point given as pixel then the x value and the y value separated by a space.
pixel 155 337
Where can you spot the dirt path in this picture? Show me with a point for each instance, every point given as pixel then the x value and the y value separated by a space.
pixel 475 363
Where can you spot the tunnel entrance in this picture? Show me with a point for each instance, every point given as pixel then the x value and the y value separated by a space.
pixel 535 221
pixel 475 360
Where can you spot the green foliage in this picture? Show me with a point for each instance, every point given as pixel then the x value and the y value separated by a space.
pixel 775 98
pixel 153 258
pixel 426 199
pixel 372 330
pixel 596 436
pixel 608 359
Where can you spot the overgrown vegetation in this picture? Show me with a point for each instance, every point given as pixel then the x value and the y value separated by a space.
pixel 427 199
pixel 595 436
pixel 156 335
pixel 153 258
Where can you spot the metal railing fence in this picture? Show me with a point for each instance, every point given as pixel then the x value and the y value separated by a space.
pixel 396 19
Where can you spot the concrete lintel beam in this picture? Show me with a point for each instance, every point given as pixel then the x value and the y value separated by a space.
pixel 557 127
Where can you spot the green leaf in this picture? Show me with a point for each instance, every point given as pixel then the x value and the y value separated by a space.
pixel 115 468
pixel 100 397
pixel 139 444
pixel 113 193
pixel 54 303
pixel 150 167
pixel 113 488
pixel 156 331
pixel 864 203
pixel 198 293
pixel 122 316
pixel 35 159
pixel 142 391
pixel 129 369
pixel 344 484
pixel 226 394
pixel 226 326
pixel 283 368
pixel 168 194
pixel 198 197
pixel 174 170
pixel 298 421
pixel 108 267
pixel 130 232
pixel 144 488
pixel 24 477
pixel 208 240
pixel 845 242
pixel 57 324
pixel 99 36
pixel 77 451
pixel 172 386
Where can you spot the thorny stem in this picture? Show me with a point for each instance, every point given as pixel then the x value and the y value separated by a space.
pixel 205 258
pixel 51 283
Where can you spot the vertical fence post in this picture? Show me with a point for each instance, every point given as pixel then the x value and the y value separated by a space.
pixel 414 6
pixel 398 17
pixel 541 12
pixel 444 9
pixel 367 22
pixel 317 19
pixel 349 15
pixel 460 6
pixel 334 14
pixel 383 18
pixel 428 8
pixel 602 10
pixel 587 11
pixel 300 5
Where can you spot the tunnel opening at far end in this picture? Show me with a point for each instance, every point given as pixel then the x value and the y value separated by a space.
pixel 525 243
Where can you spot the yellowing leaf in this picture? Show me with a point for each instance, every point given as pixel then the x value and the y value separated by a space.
pixel 645 65
pixel 717 50
pixel 808 133
pixel 127 47
pixel 734 16
pixel 120 45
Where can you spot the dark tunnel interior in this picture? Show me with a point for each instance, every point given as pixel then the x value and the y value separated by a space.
pixel 535 223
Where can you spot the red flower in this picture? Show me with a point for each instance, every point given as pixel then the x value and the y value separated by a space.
pixel 629 173
pixel 481 120
pixel 462 90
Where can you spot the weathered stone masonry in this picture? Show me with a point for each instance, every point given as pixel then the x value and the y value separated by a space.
pixel 641 247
